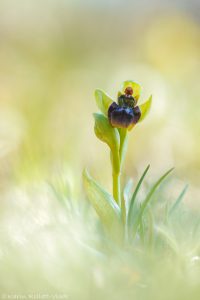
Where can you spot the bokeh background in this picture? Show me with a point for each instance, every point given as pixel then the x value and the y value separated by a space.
pixel 55 53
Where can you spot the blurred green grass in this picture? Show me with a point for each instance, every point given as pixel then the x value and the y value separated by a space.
pixel 46 249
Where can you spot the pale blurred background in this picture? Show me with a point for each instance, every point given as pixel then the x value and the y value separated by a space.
pixel 55 53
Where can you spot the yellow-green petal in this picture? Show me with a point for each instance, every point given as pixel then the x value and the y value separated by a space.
pixel 135 86
pixel 103 101
pixel 131 126
pixel 145 108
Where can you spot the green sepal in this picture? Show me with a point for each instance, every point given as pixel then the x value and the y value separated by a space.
pixel 145 108
pixel 103 101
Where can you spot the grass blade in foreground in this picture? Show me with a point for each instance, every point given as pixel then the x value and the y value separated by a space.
pixel 168 239
pixel 130 211
pixel 178 201
pixel 126 194
pixel 146 202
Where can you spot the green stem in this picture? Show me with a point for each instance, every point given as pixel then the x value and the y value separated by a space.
pixel 116 188
pixel 116 175
pixel 123 144
pixel 117 160
pixel 122 153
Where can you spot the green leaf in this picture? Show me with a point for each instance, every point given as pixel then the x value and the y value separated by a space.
pixel 132 201
pixel 109 135
pixel 145 108
pixel 105 206
pixel 103 101
pixel 178 201
pixel 147 200
pixel 105 132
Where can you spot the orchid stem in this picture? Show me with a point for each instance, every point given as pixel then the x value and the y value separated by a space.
pixel 117 188
pixel 123 144
pixel 117 161
pixel 116 175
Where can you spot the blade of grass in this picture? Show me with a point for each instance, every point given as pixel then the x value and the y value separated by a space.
pixel 166 213
pixel 195 230
pixel 168 239
pixel 150 229
pixel 126 194
pixel 63 199
pixel 146 202
pixel 142 232
pixel 178 201
pixel 131 206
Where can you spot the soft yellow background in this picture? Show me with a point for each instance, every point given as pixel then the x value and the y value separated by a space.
pixel 53 54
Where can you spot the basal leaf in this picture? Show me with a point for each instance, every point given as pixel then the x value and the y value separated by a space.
pixel 105 206
pixel 103 101
pixel 145 108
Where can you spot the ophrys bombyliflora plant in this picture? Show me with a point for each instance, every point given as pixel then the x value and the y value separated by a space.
pixel 112 126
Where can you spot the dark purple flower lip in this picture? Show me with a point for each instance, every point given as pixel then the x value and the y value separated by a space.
pixel 123 116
